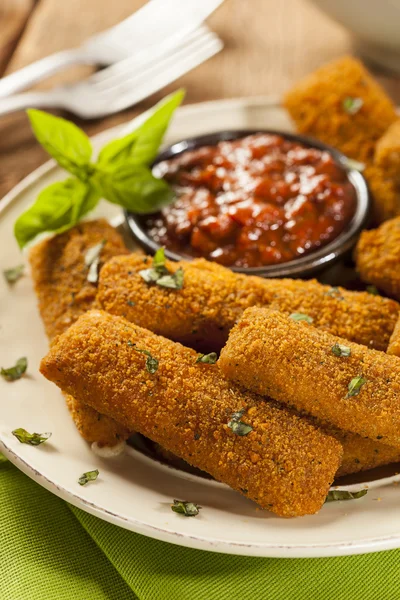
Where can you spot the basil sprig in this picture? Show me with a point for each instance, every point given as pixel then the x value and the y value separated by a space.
pixel 121 174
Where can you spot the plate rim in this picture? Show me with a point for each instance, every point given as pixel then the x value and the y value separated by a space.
pixel 255 549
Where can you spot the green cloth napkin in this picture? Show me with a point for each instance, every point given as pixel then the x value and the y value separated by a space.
pixel 52 551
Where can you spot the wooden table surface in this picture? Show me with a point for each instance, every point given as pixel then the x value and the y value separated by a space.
pixel 268 46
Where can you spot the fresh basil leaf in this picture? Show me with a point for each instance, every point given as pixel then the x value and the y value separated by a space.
pixel 209 359
pixel 141 146
pixel 334 495
pixel 92 261
pixel 135 188
pixel 341 350
pixel 188 509
pixel 355 386
pixel 88 476
pixel 33 439
pixel 14 273
pixel 301 317
pixel 64 141
pixel 15 372
pixel 55 209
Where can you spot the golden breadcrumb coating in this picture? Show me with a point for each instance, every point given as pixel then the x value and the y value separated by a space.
pixel 361 454
pixel 319 107
pixel 60 278
pixel 387 151
pixel 293 362
pixel 377 257
pixel 284 464
pixel 213 298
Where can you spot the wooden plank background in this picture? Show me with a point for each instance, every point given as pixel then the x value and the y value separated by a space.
pixel 268 46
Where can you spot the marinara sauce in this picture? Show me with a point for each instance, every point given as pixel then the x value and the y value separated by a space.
pixel 259 200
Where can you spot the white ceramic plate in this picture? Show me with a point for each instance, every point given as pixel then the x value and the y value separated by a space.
pixel 134 491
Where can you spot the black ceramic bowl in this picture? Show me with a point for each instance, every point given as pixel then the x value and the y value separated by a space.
pixel 304 266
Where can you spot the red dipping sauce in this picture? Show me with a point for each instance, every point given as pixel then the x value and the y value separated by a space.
pixel 259 200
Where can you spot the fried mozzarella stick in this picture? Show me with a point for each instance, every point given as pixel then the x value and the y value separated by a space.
pixel 60 277
pixel 342 105
pixel 213 298
pixel 346 384
pixel 157 387
pixel 361 454
pixel 378 257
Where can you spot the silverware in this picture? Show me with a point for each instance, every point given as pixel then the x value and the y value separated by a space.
pixel 124 84
pixel 137 35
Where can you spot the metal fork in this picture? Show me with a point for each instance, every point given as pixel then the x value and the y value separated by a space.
pixel 158 21
pixel 124 84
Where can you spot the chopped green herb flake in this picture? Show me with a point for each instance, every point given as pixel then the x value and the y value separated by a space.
pixel 159 258
pixel 88 476
pixel 151 362
pixel 335 495
pixel 159 274
pixel 239 427
pixel 33 439
pixel 188 509
pixel 341 350
pixel 92 261
pixel 209 359
pixel 130 303
pixel 301 317
pixel 355 386
pixel 12 275
pixel 15 372
pixel 352 105
pixel 373 290
pixel 334 292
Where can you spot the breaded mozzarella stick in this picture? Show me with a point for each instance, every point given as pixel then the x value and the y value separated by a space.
pixel 157 387
pixel 213 298
pixel 346 384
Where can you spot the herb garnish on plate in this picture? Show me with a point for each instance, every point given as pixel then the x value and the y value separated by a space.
pixel 33 439
pixel 209 359
pixel 121 174
pixel 188 509
pixel 239 427
pixel 14 273
pixel 159 274
pixel 341 350
pixel 334 495
pixel 352 105
pixel 15 372
pixel 151 361
pixel 301 317
pixel 355 386
pixel 88 476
